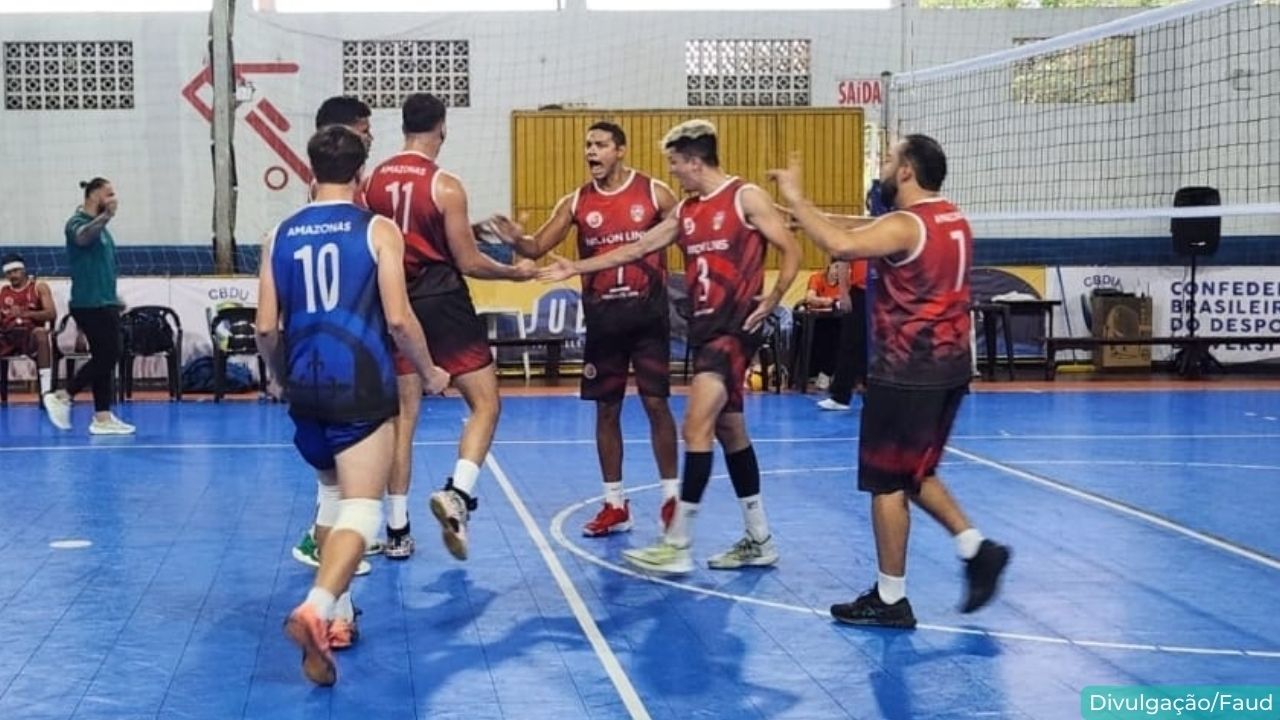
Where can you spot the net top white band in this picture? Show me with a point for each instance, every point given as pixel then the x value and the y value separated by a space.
pixel 1203 211
pixel 1000 58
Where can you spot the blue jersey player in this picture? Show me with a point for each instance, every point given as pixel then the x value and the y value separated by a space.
pixel 332 300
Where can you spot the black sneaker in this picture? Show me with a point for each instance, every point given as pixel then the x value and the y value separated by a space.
pixel 399 545
pixel 870 610
pixel 983 572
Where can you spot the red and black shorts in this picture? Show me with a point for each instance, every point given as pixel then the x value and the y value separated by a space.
pixel 17 341
pixel 456 335
pixel 728 356
pixel 904 433
pixel 612 347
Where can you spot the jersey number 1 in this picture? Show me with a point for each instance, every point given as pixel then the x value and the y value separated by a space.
pixel 319 274
pixel 961 267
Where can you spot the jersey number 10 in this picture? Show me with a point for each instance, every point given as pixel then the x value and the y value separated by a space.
pixel 319 275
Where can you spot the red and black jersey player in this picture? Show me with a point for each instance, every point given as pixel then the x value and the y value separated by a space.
pixel 628 323
pixel 919 372
pixel 723 229
pixel 429 205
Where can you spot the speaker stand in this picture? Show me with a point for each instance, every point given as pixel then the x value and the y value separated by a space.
pixel 1195 359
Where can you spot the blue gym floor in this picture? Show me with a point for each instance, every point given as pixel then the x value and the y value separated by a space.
pixel 1143 525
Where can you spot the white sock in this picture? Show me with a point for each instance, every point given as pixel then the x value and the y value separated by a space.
pixel 46 380
pixel 967 543
pixel 613 494
pixel 892 589
pixel 670 488
pixel 680 533
pixel 465 474
pixel 322 601
pixel 753 517
pixel 344 609
pixel 398 516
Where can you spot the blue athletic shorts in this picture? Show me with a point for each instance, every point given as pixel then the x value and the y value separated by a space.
pixel 320 442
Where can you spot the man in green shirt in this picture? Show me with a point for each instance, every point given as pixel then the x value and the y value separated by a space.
pixel 95 306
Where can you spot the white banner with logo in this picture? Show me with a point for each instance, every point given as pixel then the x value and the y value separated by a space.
pixel 1230 302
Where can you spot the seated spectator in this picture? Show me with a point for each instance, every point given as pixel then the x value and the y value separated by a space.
pixel 826 288
pixel 26 312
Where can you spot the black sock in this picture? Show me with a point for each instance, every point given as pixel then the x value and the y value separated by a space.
pixel 744 471
pixel 697 474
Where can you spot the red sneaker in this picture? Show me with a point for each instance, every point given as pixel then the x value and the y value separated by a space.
pixel 610 519
pixel 311 634
pixel 668 513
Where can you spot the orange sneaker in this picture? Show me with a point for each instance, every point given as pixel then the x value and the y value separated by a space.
pixel 610 519
pixel 308 630
pixel 343 633
pixel 667 513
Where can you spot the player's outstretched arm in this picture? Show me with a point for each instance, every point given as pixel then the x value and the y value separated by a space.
pixel 887 235
pixel 760 212
pixel 401 322
pixel 452 201
pixel 657 238
pixel 267 319
pixel 552 233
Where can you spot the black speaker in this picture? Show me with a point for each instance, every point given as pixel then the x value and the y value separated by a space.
pixel 1196 236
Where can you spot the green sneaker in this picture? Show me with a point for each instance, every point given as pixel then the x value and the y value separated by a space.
pixel 664 558
pixel 308 554
pixel 306 551
pixel 745 553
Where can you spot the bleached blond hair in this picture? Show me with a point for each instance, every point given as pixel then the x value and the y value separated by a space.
pixel 695 138
pixel 688 130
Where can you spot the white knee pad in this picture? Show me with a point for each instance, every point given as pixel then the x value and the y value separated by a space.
pixel 327 499
pixel 361 515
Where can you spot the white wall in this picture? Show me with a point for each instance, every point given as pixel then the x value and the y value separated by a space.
pixel 158 154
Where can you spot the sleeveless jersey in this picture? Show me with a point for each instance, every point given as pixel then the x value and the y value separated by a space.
pixel 24 298
pixel 403 189
pixel 920 307
pixel 338 352
pixel 610 220
pixel 724 261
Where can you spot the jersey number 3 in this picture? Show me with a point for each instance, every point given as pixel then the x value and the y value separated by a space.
pixel 319 275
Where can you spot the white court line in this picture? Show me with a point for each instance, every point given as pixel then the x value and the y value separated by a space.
pixel 1119 436
pixel 629 441
pixel 1150 518
pixel 178 446
pixel 1150 463
pixel 557 533
pixel 622 683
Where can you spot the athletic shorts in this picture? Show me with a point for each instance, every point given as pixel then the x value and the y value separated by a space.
pixel 457 336
pixel 17 341
pixel 320 442
pixel 904 432
pixel 728 356
pixel 608 352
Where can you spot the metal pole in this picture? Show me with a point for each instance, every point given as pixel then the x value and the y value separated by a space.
pixel 223 81
pixel 886 82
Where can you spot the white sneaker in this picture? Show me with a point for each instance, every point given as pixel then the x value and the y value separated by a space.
pixel 747 552
pixel 830 404
pixel 664 558
pixel 451 510
pixel 58 406
pixel 111 426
